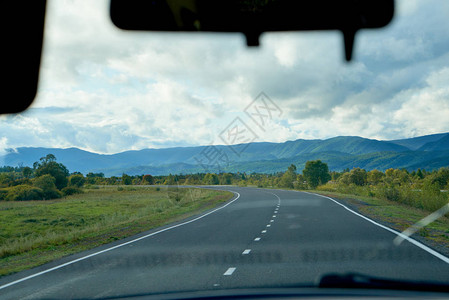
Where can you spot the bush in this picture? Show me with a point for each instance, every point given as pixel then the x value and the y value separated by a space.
pixel 52 194
pixel 77 180
pixel 71 190
pixel 358 176
pixel 300 183
pixel 329 187
pixel 3 193
pixel 47 184
pixel 417 190
pixel 24 192
pixel 389 192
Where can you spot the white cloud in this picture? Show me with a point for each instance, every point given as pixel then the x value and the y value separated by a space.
pixel 3 146
pixel 426 109
pixel 107 90
pixel 286 53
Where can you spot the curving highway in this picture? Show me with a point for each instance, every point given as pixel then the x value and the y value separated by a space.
pixel 260 238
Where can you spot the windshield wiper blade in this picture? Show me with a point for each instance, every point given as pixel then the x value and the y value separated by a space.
pixel 355 280
pixel 421 224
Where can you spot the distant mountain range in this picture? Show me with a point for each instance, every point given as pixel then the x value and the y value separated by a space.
pixel 425 152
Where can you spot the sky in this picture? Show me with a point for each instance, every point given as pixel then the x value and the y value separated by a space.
pixel 106 90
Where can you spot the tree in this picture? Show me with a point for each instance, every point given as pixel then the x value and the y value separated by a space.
pixel 27 172
pixel 441 178
pixel 345 178
pixel 225 179
pixel 335 175
pixel 113 180
pixel 77 180
pixel 375 177
pixel 397 177
pixel 211 179
pixel 292 169
pixel 170 180
pixel 190 180
pixel 420 174
pixel 300 182
pixel 148 179
pixel 126 179
pixel 357 176
pixel 316 172
pixel 288 177
pixel 47 184
pixel 6 179
pixel 93 175
pixel 48 165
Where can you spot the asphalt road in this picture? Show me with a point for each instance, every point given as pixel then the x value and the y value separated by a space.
pixel 263 238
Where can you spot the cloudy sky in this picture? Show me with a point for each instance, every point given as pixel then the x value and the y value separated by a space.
pixel 106 90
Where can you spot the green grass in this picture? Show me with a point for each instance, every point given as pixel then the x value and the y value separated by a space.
pixel 35 232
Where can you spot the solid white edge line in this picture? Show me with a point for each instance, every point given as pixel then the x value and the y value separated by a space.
pixel 414 242
pixel 118 246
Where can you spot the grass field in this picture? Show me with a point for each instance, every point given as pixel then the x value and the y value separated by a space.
pixel 36 232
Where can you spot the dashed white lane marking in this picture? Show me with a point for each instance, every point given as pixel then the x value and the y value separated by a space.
pixel 264 231
pixel 271 221
pixel 268 225
pixel 257 239
pixel 274 216
pixel 120 245
pixel 247 251
pixel 229 271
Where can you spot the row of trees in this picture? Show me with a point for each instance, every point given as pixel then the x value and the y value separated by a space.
pixel 314 174
pixel 48 179
pixel 420 189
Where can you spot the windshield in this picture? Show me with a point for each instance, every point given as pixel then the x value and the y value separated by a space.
pixel 161 162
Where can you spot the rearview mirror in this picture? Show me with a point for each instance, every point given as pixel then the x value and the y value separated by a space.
pixel 253 17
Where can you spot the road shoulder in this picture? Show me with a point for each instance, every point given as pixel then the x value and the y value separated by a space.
pixel 399 217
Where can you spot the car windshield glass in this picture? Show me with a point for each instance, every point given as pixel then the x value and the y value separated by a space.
pixel 163 162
